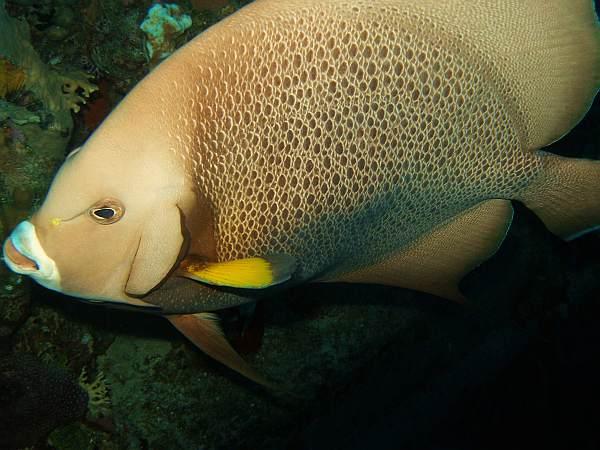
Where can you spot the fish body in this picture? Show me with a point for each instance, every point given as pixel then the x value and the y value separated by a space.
pixel 368 141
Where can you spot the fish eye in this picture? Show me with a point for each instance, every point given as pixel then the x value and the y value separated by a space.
pixel 106 211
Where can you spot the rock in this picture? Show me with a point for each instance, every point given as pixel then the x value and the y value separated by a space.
pixel 56 33
pixel 36 398
pixel 14 303
pixel 63 17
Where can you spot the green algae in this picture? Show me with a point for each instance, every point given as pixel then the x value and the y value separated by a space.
pixel 35 128
pixel 76 436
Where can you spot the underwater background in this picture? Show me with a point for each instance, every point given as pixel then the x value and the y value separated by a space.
pixel 370 366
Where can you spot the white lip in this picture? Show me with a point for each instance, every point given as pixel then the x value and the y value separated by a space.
pixel 25 240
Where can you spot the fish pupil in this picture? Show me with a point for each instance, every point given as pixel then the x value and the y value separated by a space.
pixel 105 213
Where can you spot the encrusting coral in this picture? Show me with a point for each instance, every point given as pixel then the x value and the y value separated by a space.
pixel 98 394
pixel 59 92
pixel 162 26
pixel 12 78
pixel 36 399
pixel 36 105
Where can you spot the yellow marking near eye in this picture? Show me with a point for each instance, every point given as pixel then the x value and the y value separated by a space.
pixel 55 221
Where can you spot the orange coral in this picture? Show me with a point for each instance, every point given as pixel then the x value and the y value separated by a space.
pixel 96 110
pixel 12 78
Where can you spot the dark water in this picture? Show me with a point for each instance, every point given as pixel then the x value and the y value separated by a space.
pixel 372 367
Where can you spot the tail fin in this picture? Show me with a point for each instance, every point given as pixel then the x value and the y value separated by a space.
pixel 567 196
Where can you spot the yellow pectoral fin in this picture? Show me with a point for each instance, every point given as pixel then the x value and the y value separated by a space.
pixel 248 273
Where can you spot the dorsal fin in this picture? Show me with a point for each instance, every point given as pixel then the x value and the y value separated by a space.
pixel 544 55
pixel 437 262
pixel 555 53
pixel 541 56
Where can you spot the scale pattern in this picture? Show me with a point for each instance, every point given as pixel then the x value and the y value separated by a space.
pixel 342 133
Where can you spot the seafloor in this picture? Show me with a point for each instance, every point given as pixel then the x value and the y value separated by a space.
pixel 365 366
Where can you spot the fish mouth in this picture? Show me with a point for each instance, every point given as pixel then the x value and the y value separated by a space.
pixel 24 255
pixel 17 259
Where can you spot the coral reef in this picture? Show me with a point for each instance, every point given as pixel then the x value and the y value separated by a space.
pixel 209 4
pixel 36 399
pixel 99 403
pixel 163 24
pixel 14 304
pixel 36 103
pixel 113 45
pixel 12 78
pixel 59 92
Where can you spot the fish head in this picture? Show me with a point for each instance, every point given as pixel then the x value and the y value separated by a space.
pixel 110 227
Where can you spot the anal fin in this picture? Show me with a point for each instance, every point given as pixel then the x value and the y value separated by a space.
pixel 204 332
pixel 436 262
